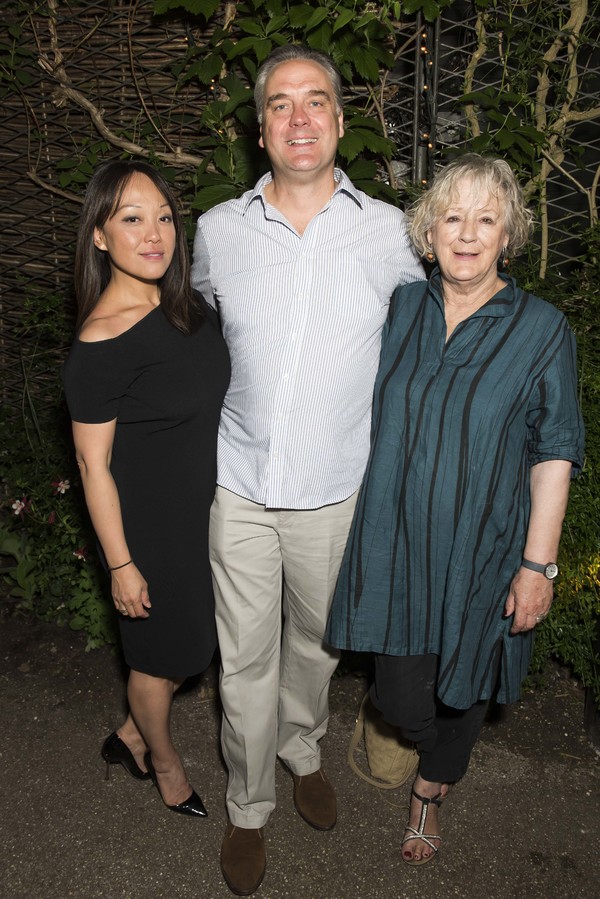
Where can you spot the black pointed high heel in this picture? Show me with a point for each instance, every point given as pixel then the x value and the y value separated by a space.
pixel 116 752
pixel 193 805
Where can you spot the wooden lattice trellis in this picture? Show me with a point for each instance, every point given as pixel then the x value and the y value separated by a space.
pixel 41 133
pixel 120 57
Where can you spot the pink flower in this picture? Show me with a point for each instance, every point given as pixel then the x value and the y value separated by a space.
pixel 81 553
pixel 61 486
pixel 20 506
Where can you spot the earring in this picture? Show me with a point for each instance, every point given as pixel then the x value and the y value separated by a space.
pixel 430 255
pixel 504 260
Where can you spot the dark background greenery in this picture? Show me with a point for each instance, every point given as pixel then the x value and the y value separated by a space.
pixel 49 565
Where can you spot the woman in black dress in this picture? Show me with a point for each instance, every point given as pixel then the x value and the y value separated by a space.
pixel 145 380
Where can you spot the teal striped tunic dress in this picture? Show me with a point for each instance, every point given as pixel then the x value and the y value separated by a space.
pixel 443 512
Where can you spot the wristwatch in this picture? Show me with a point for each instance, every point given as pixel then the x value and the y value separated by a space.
pixel 549 570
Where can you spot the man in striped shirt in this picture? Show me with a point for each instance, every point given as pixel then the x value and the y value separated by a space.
pixel 301 269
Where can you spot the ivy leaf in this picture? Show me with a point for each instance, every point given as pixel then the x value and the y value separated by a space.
pixel 275 24
pixel 245 154
pixel 67 163
pixel 320 38
pixel 365 64
pixel 495 116
pixel 361 169
pixel 524 144
pixel 232 104
pixel 249 26
pixel 504 139
pixel 205 69
pixel 247 115
pixel 222 160
pixel 350 146
pixel 375 142
pixel 533 134
pixel 262 49
pixel 300 15
pixel 429 8
pixel 481 143
pixel 510 98
pixel 319 15
pixel 242 46
pixel 344 17
pixel 212 114
pixel 207 197
pixel 362 121
pixel 365 20
pixel 205 8
pixel 480 98
pixel 233 85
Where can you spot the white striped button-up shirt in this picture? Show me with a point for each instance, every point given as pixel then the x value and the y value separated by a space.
pixel 302 316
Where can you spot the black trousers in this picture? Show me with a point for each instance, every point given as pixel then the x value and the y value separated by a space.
pixel 404 691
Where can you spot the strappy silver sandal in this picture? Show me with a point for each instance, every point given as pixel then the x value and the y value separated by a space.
pixel 419 832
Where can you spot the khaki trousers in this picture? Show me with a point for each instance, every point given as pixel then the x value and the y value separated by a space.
pixel 274 573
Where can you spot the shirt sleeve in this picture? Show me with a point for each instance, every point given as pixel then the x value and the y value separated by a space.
pixel 409 266
pixel 95 378
pixel 201 267
pixel 554 419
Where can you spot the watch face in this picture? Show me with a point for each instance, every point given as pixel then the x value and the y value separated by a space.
pixel 551 570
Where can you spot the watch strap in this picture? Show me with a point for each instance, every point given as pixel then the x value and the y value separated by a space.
pixel 534 566
pixel 549 569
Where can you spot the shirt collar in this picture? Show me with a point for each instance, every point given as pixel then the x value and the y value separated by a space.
pixel 343 186
pixel 499 306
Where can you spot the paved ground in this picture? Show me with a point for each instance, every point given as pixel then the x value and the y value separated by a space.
pixel 523 823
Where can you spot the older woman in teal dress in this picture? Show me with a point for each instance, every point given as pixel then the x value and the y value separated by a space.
pixel 476 433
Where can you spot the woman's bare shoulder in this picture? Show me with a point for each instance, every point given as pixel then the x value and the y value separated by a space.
pixel 102 327
pixel 106 324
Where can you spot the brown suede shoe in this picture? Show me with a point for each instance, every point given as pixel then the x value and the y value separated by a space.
pixel 243 859
pixel 314 798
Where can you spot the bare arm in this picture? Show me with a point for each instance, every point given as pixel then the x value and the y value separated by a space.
pixel 93 445
pixel 530 594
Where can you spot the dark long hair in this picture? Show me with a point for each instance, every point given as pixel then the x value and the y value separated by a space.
pixel 92 266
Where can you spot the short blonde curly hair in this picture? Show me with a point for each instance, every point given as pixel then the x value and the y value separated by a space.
pixel 494 177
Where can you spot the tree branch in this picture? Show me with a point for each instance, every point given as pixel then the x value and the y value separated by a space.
pixel 477 55
pixel 130 19
pixel 570 33
pixel 593 196
pixel 46 185
pixel 65 91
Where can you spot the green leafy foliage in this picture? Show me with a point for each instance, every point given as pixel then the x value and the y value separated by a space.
pixel 225 62
pixel 46 542
pixel 507 133
pixel 204 8
pixel 542 83
pixel 41 542
pixel 571 632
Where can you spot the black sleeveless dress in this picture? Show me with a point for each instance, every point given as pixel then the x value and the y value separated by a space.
pixel 166 390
